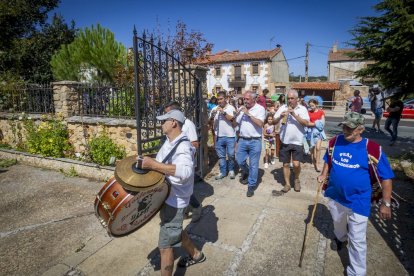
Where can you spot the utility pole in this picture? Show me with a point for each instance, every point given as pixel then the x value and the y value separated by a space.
pixel 307 61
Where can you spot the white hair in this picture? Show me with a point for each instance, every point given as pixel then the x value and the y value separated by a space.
pixel 294 92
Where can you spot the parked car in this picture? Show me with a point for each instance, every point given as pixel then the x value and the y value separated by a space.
pixel 408 110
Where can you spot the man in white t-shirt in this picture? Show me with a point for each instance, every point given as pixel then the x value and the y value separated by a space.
pixel 250 119
pixel 294 118
pixel 179 171
pixel 190 131
pixel 222 117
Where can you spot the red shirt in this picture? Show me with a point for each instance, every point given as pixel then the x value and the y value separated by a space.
pixel 316 115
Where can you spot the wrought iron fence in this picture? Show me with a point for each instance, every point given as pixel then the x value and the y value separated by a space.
pixel 30 98
pixel 106 101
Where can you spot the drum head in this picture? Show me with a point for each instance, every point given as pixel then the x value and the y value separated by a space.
pixel 139 210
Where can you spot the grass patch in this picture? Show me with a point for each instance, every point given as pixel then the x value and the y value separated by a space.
pixel 5 163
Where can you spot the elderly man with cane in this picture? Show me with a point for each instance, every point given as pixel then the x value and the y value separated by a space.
pixel 347 170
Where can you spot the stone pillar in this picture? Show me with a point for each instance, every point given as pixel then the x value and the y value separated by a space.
pixel 66 98
pixel 201 73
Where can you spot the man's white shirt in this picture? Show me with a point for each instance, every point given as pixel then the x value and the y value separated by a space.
pixel 246 126
pixel 222 126
pixel 182 182
pixel 292 132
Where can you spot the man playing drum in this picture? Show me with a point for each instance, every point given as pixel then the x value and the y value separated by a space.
pixel 179 171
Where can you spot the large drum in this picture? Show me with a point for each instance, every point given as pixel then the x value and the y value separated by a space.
pixel 122 212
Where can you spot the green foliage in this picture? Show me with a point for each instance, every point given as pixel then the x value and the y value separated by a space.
pixel 5 163
pixel 70 173
pixel 154 145
pixel 92 56
pixel 102 148
pixel 388 39
pixel 27 42
pixel 49 138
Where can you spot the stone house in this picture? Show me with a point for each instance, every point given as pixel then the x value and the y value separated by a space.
pixel 342 67
pixel 232 70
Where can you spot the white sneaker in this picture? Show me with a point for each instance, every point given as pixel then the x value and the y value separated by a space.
pixel 266 165
pixel 232 175
pixel 273 162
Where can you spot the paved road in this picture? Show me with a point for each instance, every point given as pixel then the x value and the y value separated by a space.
pixel 405 127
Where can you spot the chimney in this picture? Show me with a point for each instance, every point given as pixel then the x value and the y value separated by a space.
pixel 335 48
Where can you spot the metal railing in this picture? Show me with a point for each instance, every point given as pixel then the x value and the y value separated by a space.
pixel 106 101
pixel 30 98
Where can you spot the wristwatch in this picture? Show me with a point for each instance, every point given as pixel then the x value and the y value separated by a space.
pixel 386 203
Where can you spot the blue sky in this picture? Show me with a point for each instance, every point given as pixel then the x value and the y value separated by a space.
pixel 234 25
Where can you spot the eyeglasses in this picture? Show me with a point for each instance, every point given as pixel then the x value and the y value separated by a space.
pixel 291 98
pixel 246 99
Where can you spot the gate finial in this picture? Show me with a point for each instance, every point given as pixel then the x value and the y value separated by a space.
pixel 134 31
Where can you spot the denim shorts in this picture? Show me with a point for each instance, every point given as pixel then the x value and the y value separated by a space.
pixel 171 226
pixel 378 113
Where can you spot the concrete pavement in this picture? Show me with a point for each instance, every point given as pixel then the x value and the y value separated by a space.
pixel 48 228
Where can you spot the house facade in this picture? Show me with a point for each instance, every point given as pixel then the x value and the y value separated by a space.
pixel 232 70
pixel 343 67
pixel 328 91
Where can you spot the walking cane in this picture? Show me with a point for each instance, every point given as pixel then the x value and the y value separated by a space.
pixel 302 253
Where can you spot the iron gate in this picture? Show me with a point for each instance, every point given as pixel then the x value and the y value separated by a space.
pixel 160 78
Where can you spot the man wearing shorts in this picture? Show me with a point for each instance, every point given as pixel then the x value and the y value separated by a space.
pixel 179 172
pixel 294 117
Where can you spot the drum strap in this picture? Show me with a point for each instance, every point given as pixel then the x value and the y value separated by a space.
pixel 174 149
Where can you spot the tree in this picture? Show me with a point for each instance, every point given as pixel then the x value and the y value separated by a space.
pixel 92 56
pixel 388 39
pixel 27 41
pixel 189 39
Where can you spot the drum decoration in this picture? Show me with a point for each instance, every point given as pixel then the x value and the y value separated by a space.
pixel 122 212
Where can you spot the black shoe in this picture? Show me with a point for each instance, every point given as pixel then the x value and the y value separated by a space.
pixel 250 192
pixel 337 245
pixel 188 261
pixel 243 179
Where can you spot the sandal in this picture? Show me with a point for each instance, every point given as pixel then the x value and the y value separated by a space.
pixel 189 261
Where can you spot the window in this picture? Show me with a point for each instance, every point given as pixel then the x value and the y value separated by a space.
pixel 280 89
pixel 218 71
pixel 255 88
pixel 255 68
pixel 237 72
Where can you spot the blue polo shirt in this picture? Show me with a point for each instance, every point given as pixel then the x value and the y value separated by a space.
pixel 349 181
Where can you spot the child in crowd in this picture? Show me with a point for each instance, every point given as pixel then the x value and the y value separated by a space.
pixel 269 139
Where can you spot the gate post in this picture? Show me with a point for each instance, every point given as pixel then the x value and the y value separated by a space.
pixel 201 73
pixel 65 97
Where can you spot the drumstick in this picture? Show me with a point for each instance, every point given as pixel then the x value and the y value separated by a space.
pixel 302 254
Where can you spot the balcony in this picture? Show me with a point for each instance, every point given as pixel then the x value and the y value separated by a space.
pixel 237 81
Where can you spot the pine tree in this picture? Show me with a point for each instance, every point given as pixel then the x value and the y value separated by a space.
pixel 94 52
pixel 388 39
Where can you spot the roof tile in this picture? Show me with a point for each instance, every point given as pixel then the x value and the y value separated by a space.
pixel 316 85
pixel 234 56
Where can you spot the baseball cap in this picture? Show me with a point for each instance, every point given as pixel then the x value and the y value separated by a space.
pixel 172 114
pixel 352 120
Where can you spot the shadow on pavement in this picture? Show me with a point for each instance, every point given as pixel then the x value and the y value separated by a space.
pixel 201 232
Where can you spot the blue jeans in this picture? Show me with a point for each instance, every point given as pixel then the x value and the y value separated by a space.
pixel 225 147
pixel 249 149
pixel 394 122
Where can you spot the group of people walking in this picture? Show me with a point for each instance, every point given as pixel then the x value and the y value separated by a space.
pixel 239 133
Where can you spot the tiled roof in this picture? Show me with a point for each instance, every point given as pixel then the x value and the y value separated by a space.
pixel 316 85
pixel 342 55
pixel 234 56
